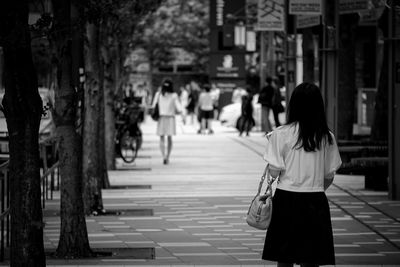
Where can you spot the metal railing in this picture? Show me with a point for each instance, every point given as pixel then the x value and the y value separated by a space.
pixel 50 180
pixel 4 209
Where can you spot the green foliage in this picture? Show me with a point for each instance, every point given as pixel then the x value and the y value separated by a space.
pixel 176 23
pixel 120 17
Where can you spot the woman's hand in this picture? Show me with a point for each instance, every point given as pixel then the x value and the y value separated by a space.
pixel 263 198
pixel 274 173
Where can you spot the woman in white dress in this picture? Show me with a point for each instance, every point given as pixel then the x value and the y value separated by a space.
pixel 168 106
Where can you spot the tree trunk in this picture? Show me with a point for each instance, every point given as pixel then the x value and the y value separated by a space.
pixel 101 135
pixel 347 74
pixel 1 67
pixel 109 125
pixel 120 75
pixel 23 109
pixel 92 168
pixel 110 82
pixel 308 55
pixel 74 242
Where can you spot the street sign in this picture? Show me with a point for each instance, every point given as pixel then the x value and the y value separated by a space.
pixel 226 65
pixel 270 15
pixel 305 7
pixel 251 41
pixel 353 6
pixel 221 11
pixel 373 13
pixel 304 21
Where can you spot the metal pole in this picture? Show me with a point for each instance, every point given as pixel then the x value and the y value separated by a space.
pixel 329 83
pixel 270 55
pixel 290 54
pixel 262 59
pixel 394 103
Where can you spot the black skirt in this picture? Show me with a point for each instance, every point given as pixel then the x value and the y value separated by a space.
pixel 300 230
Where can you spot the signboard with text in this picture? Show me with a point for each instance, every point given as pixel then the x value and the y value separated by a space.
pixel 221 10
pixel 373 13
pixel 225 65
pixel 305 7
pixel 353 6
pixel 307 21
pixel 271 15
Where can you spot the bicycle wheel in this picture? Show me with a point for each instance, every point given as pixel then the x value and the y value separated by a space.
pixel 128 147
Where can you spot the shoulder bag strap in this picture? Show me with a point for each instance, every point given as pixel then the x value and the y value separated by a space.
pixel 270 181
pixel 264 175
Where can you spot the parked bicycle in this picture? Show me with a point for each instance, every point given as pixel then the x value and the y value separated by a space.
pixel 128 137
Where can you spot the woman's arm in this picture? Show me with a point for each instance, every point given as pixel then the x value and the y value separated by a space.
pixel 155 99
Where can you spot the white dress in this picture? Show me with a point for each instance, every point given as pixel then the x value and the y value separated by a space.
pixel 168 106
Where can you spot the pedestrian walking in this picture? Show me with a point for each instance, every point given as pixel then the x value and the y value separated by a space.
pixel 265 99
pixel 215 93
pixel 168 105
pixel 304 155
pixel 237 94
pixel 206 109
pixel 277 106
pixel 246 121
pixel 192 102
pixel 184 98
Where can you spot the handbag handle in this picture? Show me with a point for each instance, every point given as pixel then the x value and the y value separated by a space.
pixel 269 181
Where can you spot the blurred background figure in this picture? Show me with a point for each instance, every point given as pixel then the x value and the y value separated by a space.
pixel 215 92
pixel 206 109
pixel 277 106
pixel 237 94
pixel 265 99
pixel 142 93
pixel 141 96
pixel 246 121
pixel 184 98
pixel 192 102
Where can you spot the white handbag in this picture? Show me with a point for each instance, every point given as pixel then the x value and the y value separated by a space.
pixel 260 210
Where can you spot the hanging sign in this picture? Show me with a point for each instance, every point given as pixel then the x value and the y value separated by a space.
pixel 305 7
pixel 374 12
pixel 304 21
pixel 353 6
pixel 270 15
pixel 251 41
pixel 224 65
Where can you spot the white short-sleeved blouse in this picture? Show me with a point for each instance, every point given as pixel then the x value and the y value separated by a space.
pixel 301 171
pixel 206 101
pixel 168 104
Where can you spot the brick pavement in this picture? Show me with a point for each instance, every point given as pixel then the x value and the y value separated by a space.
pixel 199 202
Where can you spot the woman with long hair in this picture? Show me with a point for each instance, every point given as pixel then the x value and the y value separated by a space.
pixel 168 105
pixel 303 156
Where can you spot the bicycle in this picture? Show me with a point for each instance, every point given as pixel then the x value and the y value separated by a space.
pixel 128 138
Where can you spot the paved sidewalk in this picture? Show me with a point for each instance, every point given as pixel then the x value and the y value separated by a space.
pixel 194 208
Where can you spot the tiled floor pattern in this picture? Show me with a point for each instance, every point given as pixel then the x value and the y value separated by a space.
pixel 210 230
pixel 199 220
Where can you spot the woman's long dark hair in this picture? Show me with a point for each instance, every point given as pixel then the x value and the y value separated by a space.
pixel 167 86
pixel 306 107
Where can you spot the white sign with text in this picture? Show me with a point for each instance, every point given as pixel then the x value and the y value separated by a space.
pixel 270 15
